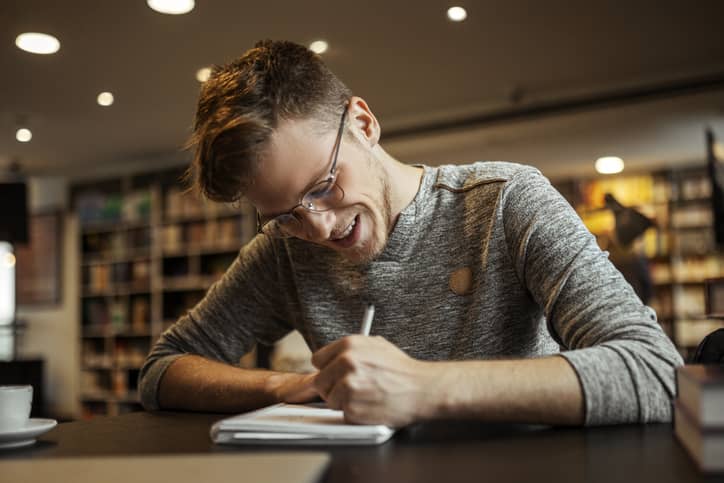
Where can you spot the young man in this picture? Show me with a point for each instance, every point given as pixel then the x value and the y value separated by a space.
pixel 492 299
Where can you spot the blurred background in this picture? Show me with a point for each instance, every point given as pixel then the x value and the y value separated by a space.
pixel 620 104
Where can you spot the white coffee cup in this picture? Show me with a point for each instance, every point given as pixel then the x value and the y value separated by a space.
pixel 15 403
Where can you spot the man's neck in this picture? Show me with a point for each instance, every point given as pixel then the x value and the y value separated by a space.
pixel 404 182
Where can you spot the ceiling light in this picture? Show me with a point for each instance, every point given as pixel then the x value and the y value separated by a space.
pixel 457 14
pixel 203 74
pixel 171 7
pixel 37 43
pixel 319 46
pixel 105 99
pixel 609 165
pixel 23 135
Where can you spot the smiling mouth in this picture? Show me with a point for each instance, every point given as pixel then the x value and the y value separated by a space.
pixel 346 232
pixel 350 236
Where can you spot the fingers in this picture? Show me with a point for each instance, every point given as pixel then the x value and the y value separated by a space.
pixel 328 353
pixel 357 374
pixel 341 366
pixel 305 395
pixel 338 359
pixel 347 397
pixel 339 395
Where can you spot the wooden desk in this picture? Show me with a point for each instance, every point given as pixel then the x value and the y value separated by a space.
pixel 436 452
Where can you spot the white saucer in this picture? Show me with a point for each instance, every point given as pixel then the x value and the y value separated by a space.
pixel 25 436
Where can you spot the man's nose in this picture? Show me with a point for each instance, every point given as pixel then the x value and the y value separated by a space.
pixel 317 226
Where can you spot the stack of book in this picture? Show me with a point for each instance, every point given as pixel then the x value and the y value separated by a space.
pixel 699 414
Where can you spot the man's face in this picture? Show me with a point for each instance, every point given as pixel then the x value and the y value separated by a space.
pixel 297 157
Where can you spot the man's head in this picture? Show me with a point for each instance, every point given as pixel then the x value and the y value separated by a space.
pixel 243 102
pixel 274 124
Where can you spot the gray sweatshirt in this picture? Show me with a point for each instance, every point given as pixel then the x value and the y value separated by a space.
pixel 487 262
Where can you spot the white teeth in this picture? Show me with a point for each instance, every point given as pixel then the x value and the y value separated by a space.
pixel 346 232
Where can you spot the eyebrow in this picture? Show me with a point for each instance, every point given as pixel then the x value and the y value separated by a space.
pixel 316 181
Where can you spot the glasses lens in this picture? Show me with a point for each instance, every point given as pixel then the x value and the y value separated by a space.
pixel 283 226
pixel 323 196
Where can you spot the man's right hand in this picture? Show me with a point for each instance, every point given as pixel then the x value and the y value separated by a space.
pixel 294 388
pixel 194 383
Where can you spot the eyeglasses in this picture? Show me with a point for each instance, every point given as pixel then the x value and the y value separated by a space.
pixel 323 196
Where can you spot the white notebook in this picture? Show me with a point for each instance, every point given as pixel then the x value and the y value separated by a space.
pixel 296 424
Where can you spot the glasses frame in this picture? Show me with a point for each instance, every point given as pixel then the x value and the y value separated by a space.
pixel 331 180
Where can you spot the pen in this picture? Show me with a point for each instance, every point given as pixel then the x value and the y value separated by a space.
pixel 367 320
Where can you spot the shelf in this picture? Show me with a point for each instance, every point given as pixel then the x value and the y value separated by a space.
pixel 691 228
pixel 112 226
pixel 95 330
pixel 144 255
pixel 681 253
pixel 680 282
pixel 90 332
pixel 127 260
pixel 690 201
pixel 181 284
pixel 692 256
pixel 203 250
pixel 180 219
pixel 132 335
pixel 120 292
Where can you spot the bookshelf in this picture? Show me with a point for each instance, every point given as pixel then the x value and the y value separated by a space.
pixel 149 252
pixel 680 251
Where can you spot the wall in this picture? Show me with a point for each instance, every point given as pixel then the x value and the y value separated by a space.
pixel 53 332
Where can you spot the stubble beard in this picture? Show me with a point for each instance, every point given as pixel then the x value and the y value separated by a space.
pixel 377 241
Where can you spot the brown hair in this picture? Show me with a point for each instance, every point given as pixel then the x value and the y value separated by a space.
pixel 241 104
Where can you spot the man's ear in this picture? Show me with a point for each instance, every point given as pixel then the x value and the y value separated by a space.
pixel 363 122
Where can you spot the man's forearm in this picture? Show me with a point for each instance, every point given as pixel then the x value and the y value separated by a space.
pixel 198 384
pixel 544 390
pixel 375 382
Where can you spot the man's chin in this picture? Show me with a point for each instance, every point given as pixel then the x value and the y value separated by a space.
pixel 364 254
pixel 357 257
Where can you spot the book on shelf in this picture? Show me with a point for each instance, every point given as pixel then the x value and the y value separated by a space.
pixel 704 445
pixel 700 390
pixel 695 188
pixel 699 414
pixel 136 206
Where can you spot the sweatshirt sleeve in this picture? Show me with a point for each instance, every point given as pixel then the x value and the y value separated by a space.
pixel 623 359
pixel 236 312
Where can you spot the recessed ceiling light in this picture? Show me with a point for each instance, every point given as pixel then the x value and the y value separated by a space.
pixel 319 46
pixel 37 43
pixel 457 14
pixel 203 74
pixel 171 7
pixel 609 165
pixel 23 135
pixel 105 99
